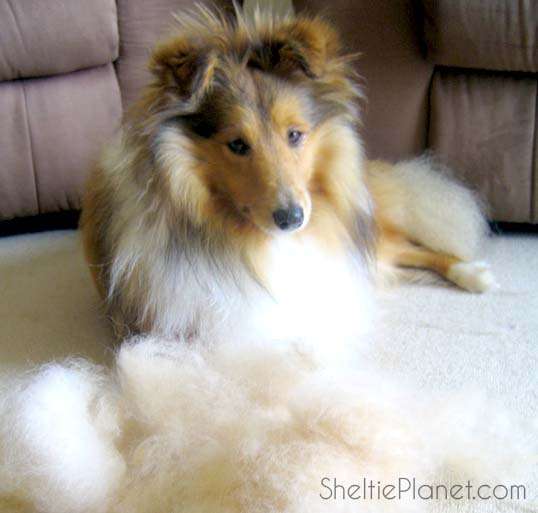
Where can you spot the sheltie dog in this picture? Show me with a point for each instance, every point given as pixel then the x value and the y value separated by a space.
pixel 237 202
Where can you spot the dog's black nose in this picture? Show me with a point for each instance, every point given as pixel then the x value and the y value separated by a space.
pixel 289 218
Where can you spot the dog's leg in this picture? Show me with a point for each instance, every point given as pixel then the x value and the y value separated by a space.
pixel 471 276
pixel 395 249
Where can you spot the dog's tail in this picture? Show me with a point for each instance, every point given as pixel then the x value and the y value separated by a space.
pixel 428 220
pixel 421 200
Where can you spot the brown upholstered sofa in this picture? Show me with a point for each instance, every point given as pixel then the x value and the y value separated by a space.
pixel 457 76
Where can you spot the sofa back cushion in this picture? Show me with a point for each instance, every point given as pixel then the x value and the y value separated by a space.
pixel 483 34
pixel 41 37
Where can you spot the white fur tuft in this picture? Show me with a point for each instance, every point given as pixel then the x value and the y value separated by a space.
pixel 57 439
pixel 472 276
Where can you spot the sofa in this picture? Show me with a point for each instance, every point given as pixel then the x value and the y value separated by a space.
pixel 458 77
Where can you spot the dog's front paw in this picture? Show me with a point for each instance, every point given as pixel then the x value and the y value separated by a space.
pixel 472 276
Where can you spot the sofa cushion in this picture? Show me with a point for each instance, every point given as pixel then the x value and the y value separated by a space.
pixel 52 131
pixel 483 125
pixel 483 34
pixel 48 37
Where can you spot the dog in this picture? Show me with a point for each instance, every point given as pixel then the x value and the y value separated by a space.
pixel 237 201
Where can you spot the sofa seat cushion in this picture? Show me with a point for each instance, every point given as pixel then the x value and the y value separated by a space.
pixel 483 34
pixel 49 37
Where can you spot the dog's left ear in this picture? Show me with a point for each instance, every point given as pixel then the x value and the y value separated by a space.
pixel 306 45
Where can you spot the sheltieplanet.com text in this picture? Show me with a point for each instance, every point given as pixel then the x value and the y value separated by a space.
pixel 405 488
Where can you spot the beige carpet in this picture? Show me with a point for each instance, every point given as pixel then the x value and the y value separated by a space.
pixel 442 338
pixel 434 337
pixel 48 306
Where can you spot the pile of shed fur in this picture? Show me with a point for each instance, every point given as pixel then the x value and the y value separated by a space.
pixel 175 428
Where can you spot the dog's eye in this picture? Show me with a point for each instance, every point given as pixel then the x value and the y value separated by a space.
pixel 239 147
pixel 295 137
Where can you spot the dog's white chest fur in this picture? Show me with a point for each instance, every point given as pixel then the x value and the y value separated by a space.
pixel 316 300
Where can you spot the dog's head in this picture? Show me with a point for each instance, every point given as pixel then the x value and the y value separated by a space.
pixel 262 108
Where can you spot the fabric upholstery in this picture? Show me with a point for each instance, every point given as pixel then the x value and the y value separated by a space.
pixel 17 184
pixel 484 34
pixel 483 125
pixel 396 76
pixel 52 131
pixel 43 37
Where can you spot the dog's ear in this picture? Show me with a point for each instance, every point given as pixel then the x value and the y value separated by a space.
pixel 183 70
pixel 306 45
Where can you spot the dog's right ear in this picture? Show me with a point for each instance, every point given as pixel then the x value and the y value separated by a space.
pixel 183 70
